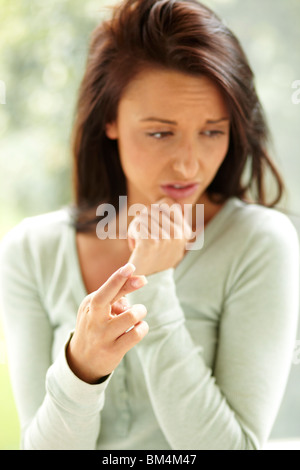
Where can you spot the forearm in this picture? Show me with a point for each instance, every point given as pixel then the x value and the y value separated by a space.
pixel 188 404
pixel 190 407
pixel 69 417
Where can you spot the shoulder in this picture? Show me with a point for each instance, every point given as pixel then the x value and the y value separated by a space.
pixel 255 223
pixel 262 244
pixel 33 234
pixel 260 249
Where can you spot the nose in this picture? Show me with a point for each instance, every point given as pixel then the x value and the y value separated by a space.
pixel 186 163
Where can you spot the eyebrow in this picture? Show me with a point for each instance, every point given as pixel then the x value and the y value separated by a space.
pixel 166 121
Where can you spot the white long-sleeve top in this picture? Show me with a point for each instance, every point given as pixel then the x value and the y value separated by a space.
pixel 212 370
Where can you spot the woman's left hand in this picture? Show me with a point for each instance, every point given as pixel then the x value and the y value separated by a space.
pixel 158 242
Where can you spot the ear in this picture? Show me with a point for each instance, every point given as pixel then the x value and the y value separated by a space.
pixel 111 130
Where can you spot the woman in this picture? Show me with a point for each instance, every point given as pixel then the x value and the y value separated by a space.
pixel 180 348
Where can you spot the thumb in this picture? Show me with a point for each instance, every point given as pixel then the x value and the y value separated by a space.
pixel 131 243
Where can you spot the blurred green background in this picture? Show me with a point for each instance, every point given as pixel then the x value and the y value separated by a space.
pixel 43 48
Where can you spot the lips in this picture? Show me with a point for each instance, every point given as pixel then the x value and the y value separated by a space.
pixel 179 190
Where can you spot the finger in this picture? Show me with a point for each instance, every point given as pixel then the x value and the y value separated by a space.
pixel 122 323
pixel 128 340
pixel 181 226
pixel 165 224
pixel 132 284
pixel 172 213
pixel 148 221
pixel 174 210
pixel 166 200
pixel 138 229
pixel 157 231
pixel 187 230
pixel 131 243
pixel 120 306
pixel 161 225
pixel 109 291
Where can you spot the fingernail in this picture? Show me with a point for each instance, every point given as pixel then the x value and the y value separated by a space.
pixel 139 282
pixel 126 270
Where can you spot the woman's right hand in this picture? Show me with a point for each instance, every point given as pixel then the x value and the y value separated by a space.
pixel 101 336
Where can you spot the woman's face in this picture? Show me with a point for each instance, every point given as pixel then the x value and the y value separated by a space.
pixel 173 134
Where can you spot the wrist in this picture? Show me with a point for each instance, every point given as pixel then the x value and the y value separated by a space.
pixel 79 367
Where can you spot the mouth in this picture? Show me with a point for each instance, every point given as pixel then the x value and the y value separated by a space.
pixel 180 190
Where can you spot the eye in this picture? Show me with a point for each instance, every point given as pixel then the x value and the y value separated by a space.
pixel 159 135
pixel 213 134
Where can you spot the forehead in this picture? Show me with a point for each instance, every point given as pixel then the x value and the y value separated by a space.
pixel 172 91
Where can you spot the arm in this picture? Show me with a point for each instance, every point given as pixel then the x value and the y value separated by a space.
pixel 60 404
pixel 234 405
pixel 56 409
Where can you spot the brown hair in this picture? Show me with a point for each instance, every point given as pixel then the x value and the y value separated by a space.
pixel 180 35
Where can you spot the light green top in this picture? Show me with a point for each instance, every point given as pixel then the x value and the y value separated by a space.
pixel 213 368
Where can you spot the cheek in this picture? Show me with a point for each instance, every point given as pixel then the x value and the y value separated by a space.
pixel 220 151
pixel 216 155
pixel 134 157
